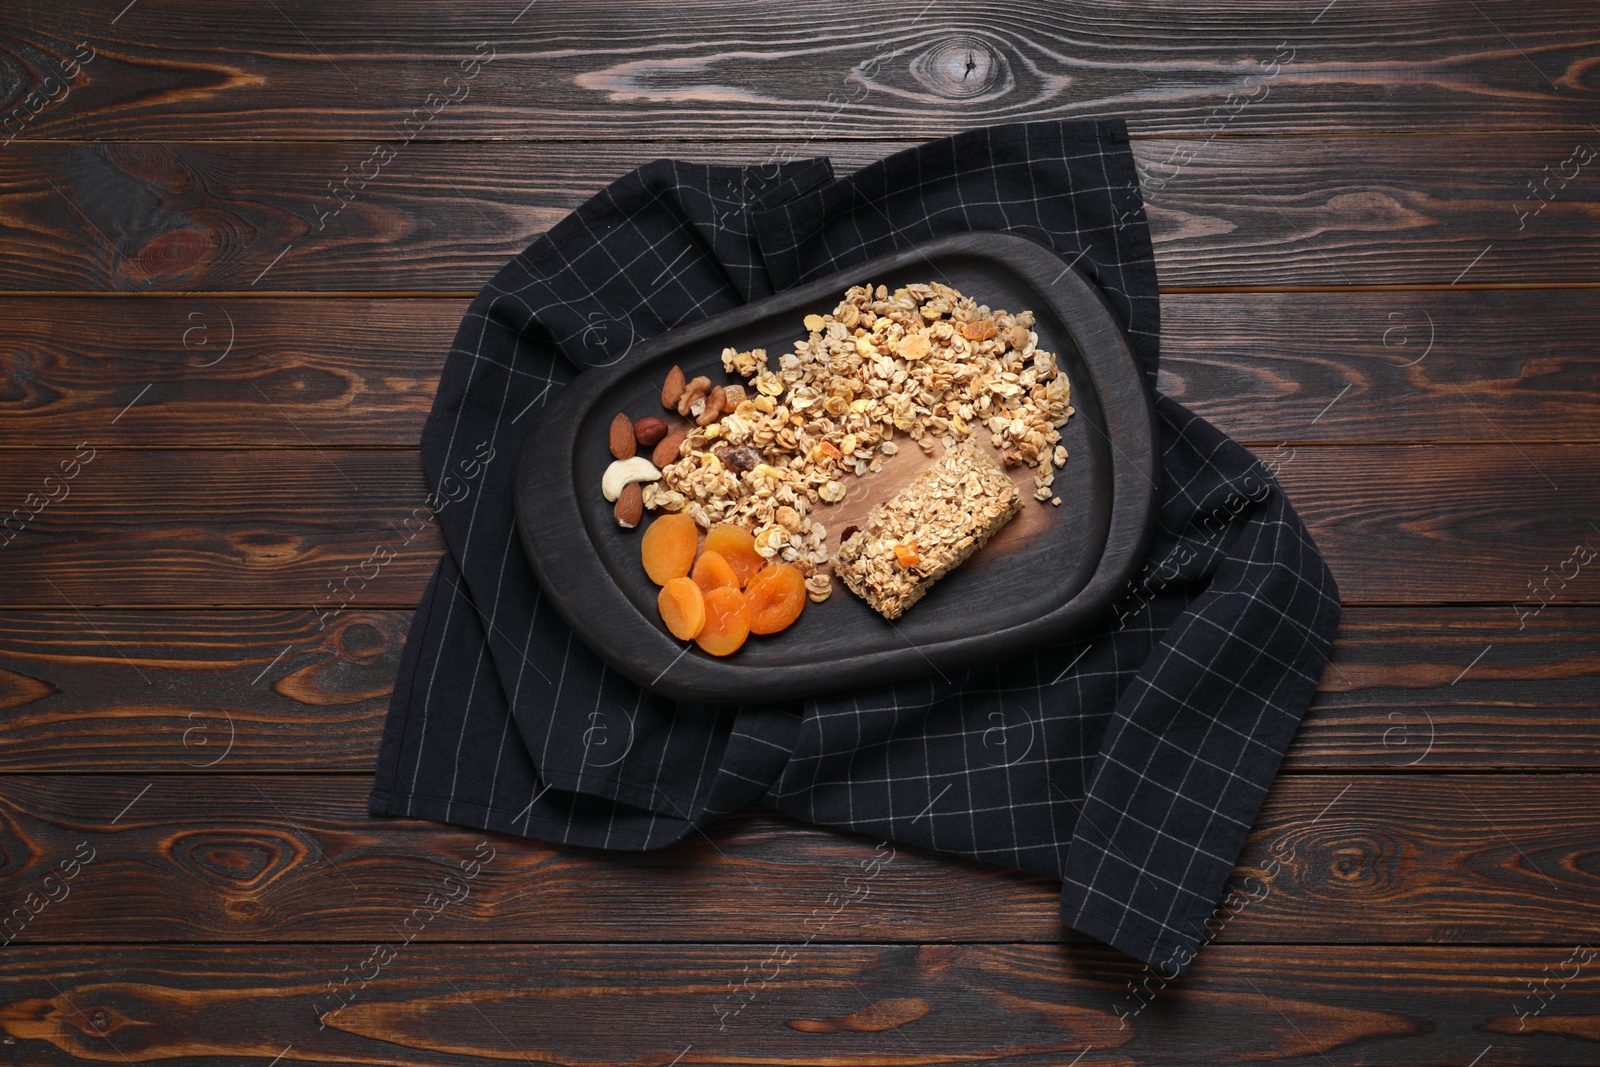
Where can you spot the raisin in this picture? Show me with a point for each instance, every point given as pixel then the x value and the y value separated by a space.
pixel 740 459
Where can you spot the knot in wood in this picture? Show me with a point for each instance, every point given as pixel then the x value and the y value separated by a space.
pixel 961 67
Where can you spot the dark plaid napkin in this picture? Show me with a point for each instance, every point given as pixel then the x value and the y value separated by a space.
pixel 1129 763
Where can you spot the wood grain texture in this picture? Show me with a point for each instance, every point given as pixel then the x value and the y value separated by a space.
pixel 1387 366
pixel 269 691
pixel 1418 688
pixel 216 760
pixel 1398 525
pixel 156 691
pixel 1372 367
pixel 724 69
pixel 846 1006
pixel 1447 523
pixel 1225 212
pixel 163 527
pixel 1366 858
pixel 229 372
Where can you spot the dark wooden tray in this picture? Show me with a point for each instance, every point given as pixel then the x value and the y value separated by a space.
pixel 1049 572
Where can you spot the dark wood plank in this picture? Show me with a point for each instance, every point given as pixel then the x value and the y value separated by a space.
pixel 846 1006
pixel 724 69
pixel 254 691
pixel 1242 212
pixel 1451 522
pixel 1369 858
pixel 1402 525
pixel 303 527
pixel 1383 210
pixel 154 691
pixel 1380 367
pixel 232 372
pixel 1456 688
pixel 1372 367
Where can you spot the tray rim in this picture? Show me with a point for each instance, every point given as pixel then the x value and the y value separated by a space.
pixel 1135 478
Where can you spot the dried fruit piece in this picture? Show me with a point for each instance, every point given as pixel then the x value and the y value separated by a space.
pixel 906 555
pixel 712 571
pixel 738 546
pixel 741 459
pixel 630 506
pixel 979 330
pixel 776 596
pixel 668 547
pixel 727 622
pixel 623 445
pixel 667 449
pixel 672 389
pixel 649 431
pixel 682 608
pixel 913 346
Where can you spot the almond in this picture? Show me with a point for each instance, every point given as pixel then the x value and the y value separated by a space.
pixel 630 506
pixel 673 389
pixel 667 450
pixel 622 443
pixel 650 430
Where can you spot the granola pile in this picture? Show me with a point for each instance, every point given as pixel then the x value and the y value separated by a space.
pixel 924 364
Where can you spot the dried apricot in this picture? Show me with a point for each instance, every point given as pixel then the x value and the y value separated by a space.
pixel 668 547
pixel 907 555
pixel 711 571
pixel 738 546
pixel 682 608
pixel 727 621
pixel 776 596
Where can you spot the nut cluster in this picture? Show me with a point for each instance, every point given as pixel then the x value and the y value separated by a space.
pixel 924 360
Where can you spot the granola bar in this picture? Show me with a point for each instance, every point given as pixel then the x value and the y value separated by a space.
pixel 927 530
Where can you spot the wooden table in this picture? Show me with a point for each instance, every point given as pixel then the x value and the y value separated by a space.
pixel 225 313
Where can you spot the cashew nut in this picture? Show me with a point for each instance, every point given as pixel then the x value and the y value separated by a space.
pixel 623 471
